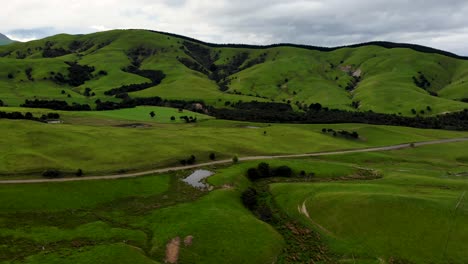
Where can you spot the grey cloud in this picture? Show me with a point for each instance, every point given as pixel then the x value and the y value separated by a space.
pixel 442 24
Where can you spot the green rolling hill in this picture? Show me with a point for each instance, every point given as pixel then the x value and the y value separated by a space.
pixel 380 76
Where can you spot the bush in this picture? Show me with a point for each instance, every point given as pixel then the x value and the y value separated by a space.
pixel 282 171
pixel 253 174
pixel 263 169
pixel 52 173
pixel 212 156
pixel 235 159
pixel 249 198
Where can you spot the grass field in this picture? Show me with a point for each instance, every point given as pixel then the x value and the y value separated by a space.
pixel 413 214
pixel 107 142
pixel 416 212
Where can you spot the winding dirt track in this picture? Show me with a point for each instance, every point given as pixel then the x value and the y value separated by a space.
pixel 178 168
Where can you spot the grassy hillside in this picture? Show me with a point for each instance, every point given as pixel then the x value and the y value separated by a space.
pixel 129 139
pixel 415 213
pixel 219 75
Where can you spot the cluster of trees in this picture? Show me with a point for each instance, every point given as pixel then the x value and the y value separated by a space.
pixel 77 74
pixel 28 72
pixel 189 161
pixel 156 78
pixel 80 46
pixel 54 173
pixel 50 52
pixel 75 46
pixel 453 121
pixel 28 116
pixel 422 111
pixel 88 92
pixel 203 61
pixel 342 133
pixel 353 83
pixel 263 106
pixel 421 81
pixel 153 101
pixel 56 105
pixel 189 119
pixel 263 170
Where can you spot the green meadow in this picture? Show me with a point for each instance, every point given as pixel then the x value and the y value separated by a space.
pixel 414 213
pixel 110 142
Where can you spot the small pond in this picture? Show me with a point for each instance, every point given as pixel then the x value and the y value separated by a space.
pixel 195 179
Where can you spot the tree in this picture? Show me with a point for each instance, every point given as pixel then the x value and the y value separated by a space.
pixel 191 160
pixel 10 76
pixel 212 156
pixel 152 114
pixel 235 159
pixel 79 173
pixel 87 92
pixel 28 115
pixel 315 107
pixel 249 198
pixel 1 103
pixel 252 174
pixel 264 169
pixel 282 171
pixel 172 118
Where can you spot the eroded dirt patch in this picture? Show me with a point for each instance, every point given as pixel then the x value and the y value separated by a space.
pixel 172 250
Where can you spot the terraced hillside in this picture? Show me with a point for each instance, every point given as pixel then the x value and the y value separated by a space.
pixel 116 64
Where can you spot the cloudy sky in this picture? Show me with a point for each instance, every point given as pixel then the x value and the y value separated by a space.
pixel 435 23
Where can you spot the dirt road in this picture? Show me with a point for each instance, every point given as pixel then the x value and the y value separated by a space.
pixel 178 168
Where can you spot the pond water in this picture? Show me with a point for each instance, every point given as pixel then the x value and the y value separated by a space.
pixel 195 179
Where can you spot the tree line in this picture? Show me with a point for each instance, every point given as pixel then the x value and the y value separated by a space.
pixel 268 112
pixel 28 116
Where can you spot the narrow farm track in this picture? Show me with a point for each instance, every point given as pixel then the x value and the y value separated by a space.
pixel 179 168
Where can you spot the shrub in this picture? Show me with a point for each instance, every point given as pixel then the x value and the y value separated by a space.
pixel 253 174
pixel 282 171
pixel 263 169
pixel 249 198
pixel 235 159
pixel 52 173
pixel 212 156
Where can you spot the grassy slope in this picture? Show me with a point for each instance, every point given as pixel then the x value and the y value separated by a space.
pixel 31 147
pixel 404 215
pixel 409 214
pixel 223 230
pixel 313 76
